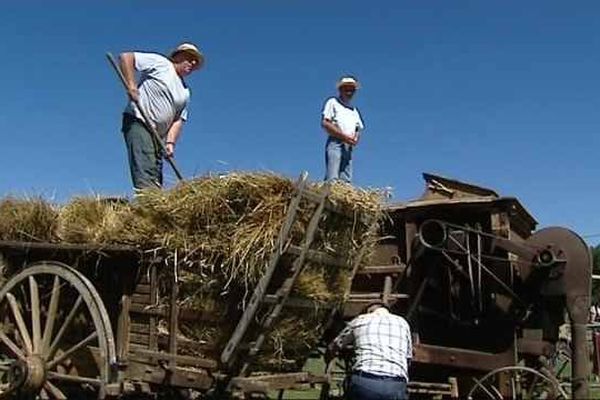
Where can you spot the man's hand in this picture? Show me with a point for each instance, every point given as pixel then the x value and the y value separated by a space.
pixel 170 146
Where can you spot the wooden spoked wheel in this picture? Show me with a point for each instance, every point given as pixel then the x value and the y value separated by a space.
pixel 516 382
pixel 56 340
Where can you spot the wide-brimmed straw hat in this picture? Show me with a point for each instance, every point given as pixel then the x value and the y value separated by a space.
pixel 348 81
pixel 191 49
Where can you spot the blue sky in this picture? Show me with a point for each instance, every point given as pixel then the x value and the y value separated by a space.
pixel 504 94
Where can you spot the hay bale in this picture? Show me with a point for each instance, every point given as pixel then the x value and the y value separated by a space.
pixel 94 220
pixel 28 219
pixel 232 221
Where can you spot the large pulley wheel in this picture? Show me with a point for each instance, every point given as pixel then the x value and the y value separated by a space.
pixel 56 340
pixel 516 382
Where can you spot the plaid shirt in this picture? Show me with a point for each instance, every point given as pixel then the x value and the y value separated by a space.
pixel 382 343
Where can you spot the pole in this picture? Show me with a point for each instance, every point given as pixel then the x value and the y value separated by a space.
pixel 149 126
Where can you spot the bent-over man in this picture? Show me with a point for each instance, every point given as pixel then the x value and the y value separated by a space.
pixel 382 347
pixel 163 95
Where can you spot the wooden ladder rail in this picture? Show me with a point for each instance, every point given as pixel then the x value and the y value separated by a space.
pixel 286 288
pixel 230 350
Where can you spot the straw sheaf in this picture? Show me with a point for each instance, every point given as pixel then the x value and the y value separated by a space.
pixel 28 219
pixel 94 220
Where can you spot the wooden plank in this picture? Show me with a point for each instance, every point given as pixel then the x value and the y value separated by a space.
pixel 123 330
pixel 137 346
pixel 375 296
pixel 382 269
pixel 153 323
pixel 181 377
pixel 185 314
pixel 143 329
pixel 142 288
pixel 142 309
pixel 173 318
pixel 139 339
pixel 277 381
pixel 188 344
pixel 25 246
pixel 140 299
pixel 183 360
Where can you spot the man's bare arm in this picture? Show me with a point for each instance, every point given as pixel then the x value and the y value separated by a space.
pixel 127 64
pixel 173 135
pixel 333 130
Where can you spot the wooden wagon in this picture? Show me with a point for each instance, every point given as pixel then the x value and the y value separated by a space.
pixel 83 321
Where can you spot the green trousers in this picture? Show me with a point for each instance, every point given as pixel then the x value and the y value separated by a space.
pixel 145 160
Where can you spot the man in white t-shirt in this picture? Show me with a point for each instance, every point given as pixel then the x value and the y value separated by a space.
pixel 343 124
pixel 163 94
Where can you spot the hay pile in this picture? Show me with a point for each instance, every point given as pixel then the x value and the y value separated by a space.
pixel 30 219
pixel 222 231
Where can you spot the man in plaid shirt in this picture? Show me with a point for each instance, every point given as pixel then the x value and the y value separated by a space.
pixel 383 348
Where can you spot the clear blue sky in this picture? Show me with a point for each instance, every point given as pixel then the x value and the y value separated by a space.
pixel 504 94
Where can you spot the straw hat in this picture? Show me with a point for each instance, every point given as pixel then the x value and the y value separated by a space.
pixel 191 49
pixel 348 81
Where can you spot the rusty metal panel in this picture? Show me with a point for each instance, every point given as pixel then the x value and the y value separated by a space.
pixel 461 358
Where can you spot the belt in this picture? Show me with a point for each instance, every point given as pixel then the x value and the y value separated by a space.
pixel 379 377
pixel 132 117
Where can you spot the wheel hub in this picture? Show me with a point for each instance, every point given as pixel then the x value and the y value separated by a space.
pixel 29 375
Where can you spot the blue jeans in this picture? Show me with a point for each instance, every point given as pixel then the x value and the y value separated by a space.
pixel 145 160
pixel 338 160
pixel 363 387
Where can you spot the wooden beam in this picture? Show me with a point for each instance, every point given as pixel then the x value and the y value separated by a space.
pixel 197 362
pixel 381 269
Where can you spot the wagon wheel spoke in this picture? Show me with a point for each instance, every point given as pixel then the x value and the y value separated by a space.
pixel 44 395
pixel 56 392
pixel 92 336
pixel 487 391
pixel 51 318
pixel 56 376
pixel 514 389
pixel 494 392
pixel 23 332
pixel 63 328
pixel 532 386
pixel 11 345
pixel 35 314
